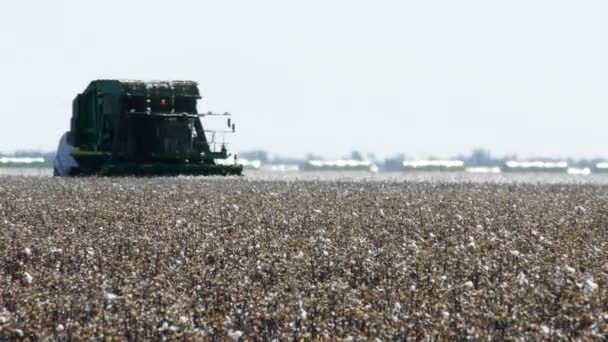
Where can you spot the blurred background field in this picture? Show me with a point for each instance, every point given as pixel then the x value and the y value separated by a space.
pixel 361 176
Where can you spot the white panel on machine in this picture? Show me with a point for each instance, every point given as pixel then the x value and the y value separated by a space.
pixel 64 162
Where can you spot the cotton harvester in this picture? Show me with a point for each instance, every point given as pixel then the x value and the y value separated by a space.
pixel 142 129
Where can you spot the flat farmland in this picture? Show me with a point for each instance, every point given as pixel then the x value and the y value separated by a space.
pixel 198 258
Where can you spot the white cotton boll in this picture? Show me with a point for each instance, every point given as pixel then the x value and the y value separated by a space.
pixel 521 279
pixel 545 331
pixel 59 328
pixel 381 212
pixel 27 278
pixel 569 269
pixel 235 335
pixel 514 253
pixel 589 287
pixel 167 327
pixel 303 314
pixel 317 211
pixel 445 315
pixel 27 251
pixel 468 285
pixel 236 208
pixel 110 296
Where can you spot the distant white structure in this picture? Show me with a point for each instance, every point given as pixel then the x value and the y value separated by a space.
pixel 21 160
pixel 536 166
pixel 483 169
pixel 250 164
pixel 341 165
pixel 282 168
pixel 247 164
pixel 579 171
pixel 601 167
pixel 433 165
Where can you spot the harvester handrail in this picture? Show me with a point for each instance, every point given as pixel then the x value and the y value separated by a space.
pixel 218 131
pixel 165 114
pixel 179 114
pixel 215 114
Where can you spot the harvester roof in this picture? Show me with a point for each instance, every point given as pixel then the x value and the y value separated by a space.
pixel 145 88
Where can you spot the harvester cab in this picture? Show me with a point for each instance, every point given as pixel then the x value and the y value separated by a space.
pixel 143 129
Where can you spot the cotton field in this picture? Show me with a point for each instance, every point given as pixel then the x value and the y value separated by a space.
pixel 239 259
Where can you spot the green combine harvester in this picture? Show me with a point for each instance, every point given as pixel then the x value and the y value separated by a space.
pixel 123 128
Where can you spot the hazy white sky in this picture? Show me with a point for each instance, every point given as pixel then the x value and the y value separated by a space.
pixel 419 77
